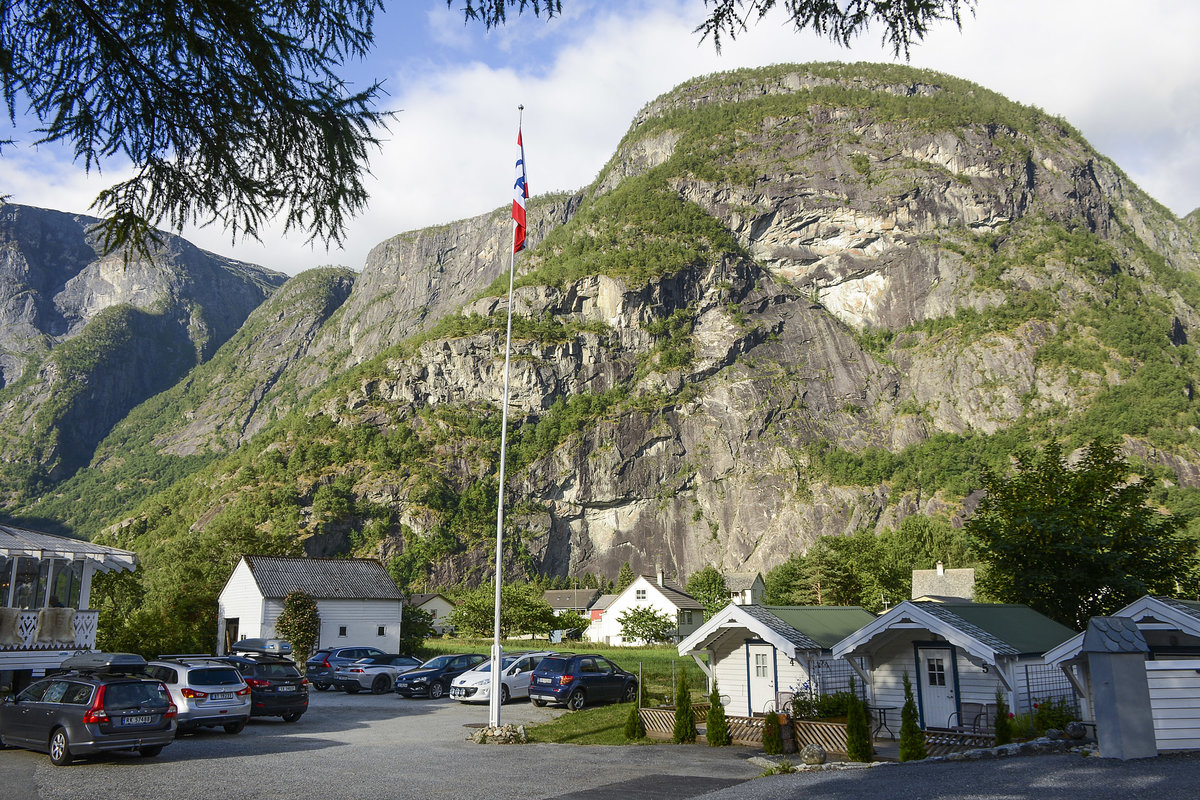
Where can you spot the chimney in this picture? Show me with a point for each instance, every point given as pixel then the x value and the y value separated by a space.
pixel 660 576
pixel 941 568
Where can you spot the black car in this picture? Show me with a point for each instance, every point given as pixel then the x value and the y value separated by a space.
pixel 321 668
pixel 433 677
pixel 277 689
pixel 103 702
pixel 576 680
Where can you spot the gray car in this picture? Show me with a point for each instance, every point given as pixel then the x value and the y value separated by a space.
pixel 90 710
pixel 207 692
pixel 320 668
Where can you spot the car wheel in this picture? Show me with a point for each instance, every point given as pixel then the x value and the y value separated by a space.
pixel 320 687
pixel 151 752
pixel 60 748
pixel 235 727
pixel 538 703
pixel 353 689
pixel 380 684
pixel 291 716
pixel 630 693
pixel 503 694
pixel 436 690
pixel 576 700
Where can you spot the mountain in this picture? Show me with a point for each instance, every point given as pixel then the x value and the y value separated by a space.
pixel 798 300
pixel 85 337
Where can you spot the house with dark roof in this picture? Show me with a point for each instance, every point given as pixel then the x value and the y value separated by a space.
pixel 357 599
pixel 577 600
pixel 745 588
pixel 957 654
pixel 942 583
pixel 763 656
pixel 647 591
pixel 438 607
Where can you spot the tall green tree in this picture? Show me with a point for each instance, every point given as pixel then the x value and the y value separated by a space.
pixel 230 112
pixel 1078 541
pixel 523 610
pixel 716 728
pixel 708 587
pixel 685 719
pixel 299 623
pixel 644 624
pixel 625 577
pixel 912 738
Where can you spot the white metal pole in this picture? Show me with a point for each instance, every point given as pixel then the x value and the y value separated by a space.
pixel 497 650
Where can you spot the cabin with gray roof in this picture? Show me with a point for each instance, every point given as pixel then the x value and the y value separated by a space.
pixel 763 656
pixel 745 588
pixel 359 603
pixel 957 655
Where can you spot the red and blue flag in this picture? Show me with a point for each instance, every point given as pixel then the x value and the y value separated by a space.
pixel 520 195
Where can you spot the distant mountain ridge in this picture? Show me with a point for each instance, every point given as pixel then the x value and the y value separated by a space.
pixel 798 300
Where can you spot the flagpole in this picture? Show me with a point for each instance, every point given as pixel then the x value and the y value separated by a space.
pixel 497 650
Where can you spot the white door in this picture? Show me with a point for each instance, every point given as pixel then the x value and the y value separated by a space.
pixel 762 677
pixel 938 702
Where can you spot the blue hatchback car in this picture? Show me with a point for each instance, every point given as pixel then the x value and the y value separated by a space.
pixel 576 680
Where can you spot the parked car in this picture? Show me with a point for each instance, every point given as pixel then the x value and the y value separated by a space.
pixel 434 676
pixel 475 686
pixel 103 702
pixel 320 668
pixel 576 680
pixel 207 692
pixel 277 689
pixel 377 673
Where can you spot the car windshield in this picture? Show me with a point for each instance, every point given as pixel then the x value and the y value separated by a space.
pixel 215 676
pixel 277 671
pixel 486 666
pixel 437 662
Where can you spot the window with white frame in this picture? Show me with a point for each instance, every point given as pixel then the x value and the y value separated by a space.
pixel 640 594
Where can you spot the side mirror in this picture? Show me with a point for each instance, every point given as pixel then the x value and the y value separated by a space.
pixel 11 700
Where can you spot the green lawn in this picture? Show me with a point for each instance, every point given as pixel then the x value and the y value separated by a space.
pixel 593 725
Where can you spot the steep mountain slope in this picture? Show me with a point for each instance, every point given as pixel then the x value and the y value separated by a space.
pixel 799 300
pixel 85 337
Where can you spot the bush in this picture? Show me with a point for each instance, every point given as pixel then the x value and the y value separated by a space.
pixel 1004 731
pixel 858 732
pixel 634 727
pixel 912 738
pixel 685 720
pixel 1053 713
pixel 772 738
pixel 716 731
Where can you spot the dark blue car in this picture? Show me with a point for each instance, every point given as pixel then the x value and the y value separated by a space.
pixel 434 676
pixel 576 680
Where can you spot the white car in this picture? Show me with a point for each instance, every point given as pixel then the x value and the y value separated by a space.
pixel 374 673
pixel 475 686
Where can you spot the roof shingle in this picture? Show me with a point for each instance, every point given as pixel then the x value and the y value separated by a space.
pixel 323 578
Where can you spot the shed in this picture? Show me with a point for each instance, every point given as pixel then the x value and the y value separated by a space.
pixel 357 600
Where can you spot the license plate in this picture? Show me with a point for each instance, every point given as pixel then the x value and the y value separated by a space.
pixel 285 688
pixel 222 695
pixel 544 681
pixel 136 720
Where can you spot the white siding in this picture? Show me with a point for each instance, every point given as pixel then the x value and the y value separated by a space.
pixel 1175 703
pixel 362 619
pixel 730 668
pixel 241 599
pixel 607 629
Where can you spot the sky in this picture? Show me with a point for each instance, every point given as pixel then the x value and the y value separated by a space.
pixel 1126 75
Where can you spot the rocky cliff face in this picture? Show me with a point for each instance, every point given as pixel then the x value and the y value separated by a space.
pixel 85 337
pixel 798 301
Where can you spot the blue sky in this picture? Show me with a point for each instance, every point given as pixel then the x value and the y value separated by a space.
pixel 1126 75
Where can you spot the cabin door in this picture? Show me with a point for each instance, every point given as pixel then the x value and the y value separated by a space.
pixel 938 683
pixel 761 666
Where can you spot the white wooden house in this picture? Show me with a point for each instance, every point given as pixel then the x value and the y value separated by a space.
pixel 956 653
pixel 357 600
pixel 45 599
pixel 1171 630
pixel 745 588
pixel 438 607
pixel 647 591
pixel 762 656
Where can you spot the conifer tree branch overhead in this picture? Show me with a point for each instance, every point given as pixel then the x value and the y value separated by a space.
pixel 230 111
pixel 904 21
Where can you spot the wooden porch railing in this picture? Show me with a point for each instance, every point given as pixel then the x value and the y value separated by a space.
pixel 60 629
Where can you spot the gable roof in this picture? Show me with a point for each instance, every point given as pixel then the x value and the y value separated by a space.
pixel 956 583
pixel 1184 614
pixel 571 598
pixel 418 600
pixel 988 630
pixel 323 578
pixel 24 542
pixel 790 629
pixel 672 591
pixel 603 602
pixel 741 581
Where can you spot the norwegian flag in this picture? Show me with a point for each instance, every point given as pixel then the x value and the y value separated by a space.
pixel 520 195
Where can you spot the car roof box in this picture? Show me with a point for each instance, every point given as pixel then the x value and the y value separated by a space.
pixel 105 662
pixel 275 647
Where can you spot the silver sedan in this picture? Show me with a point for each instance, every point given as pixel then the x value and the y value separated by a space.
pixel 374 673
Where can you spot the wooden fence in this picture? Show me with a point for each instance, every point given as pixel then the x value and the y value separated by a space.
pixel 830 735
pixel 943 741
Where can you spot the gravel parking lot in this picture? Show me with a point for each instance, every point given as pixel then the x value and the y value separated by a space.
pixel 376 746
